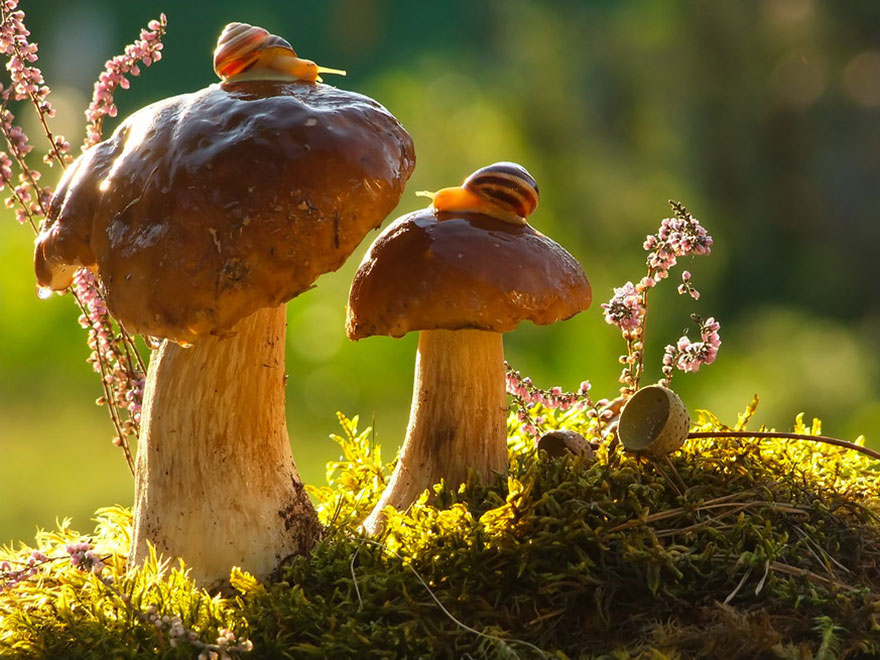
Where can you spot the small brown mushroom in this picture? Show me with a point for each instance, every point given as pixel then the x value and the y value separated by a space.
pixel 461 278
pixel 563 442
pixel 202 214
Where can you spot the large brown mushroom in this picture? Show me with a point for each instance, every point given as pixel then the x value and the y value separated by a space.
pixel 462 272
pixel 202 214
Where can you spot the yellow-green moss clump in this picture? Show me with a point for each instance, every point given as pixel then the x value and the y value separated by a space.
pixel 735 549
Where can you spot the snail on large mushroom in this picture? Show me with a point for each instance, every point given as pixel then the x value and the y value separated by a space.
pixel 202 215
pixel 246 51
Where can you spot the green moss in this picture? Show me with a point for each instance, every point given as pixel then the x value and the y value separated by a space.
pixel 732 549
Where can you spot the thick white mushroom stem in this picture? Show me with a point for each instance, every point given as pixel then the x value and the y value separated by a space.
pixel 215 483
pixel 458 419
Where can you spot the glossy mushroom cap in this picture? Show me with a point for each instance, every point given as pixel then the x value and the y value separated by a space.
pixel 202 208
pixel 432 271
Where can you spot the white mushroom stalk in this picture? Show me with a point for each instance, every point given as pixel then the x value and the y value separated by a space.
pixel 458 418
pixel 216 482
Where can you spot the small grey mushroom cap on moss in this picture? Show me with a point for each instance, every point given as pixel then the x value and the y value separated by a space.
pixel 654 422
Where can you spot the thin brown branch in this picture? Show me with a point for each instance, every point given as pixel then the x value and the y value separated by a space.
pixel 24 207
pixel 108 395
pixel 790 436
pixel 720 503
pixel 786 569
pixel 129 343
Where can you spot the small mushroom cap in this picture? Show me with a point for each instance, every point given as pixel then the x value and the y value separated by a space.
pixel 202 208
pixel 442 270
pixel 563 441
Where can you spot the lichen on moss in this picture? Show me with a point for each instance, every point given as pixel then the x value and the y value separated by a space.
pixel 733 548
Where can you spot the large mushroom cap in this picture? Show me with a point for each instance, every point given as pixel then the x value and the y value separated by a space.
pixel 441 270
pixel 202 208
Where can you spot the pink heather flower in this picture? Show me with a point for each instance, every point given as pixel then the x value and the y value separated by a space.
pixel 135 397
pixel 27 80
pixel 687 287
pixel 147 49
pixel 526 395
pixel 625 309
pixel 680 236
pixel 5 169
pixel 127 388
pixel 646 283
pixel 83 557
pixel 690 356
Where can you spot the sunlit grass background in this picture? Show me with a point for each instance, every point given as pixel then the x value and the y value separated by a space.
pixel 762 117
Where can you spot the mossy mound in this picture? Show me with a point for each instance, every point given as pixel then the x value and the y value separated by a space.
pixel 733 549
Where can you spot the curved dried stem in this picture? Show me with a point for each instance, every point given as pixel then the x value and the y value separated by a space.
pixel 790 436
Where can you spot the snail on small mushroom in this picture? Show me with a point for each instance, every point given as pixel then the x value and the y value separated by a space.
pixel 502 190
pixel 462 272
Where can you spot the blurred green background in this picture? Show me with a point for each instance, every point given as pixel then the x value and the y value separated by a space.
pixel 763 117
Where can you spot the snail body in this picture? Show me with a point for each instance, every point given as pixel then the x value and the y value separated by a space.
pixel 249 52
pixel 503 190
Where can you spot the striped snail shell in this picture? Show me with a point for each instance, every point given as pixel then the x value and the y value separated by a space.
pixel 239 47
pixel 245 50
pixel 504 190
pixel 508 186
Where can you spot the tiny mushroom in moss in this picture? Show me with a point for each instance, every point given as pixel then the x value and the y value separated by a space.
pixel 462 272
pixel 202 214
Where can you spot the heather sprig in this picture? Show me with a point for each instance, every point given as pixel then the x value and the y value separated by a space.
pixel 27 79
pixel 12 575
pixel 528 399
pixel 82 556
pixel 114 354
pixel 686 355
pixel 30 200
pixel 679 236
pixel 171 627
pixel 145 50
pixel 115 358
pixel 526 395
